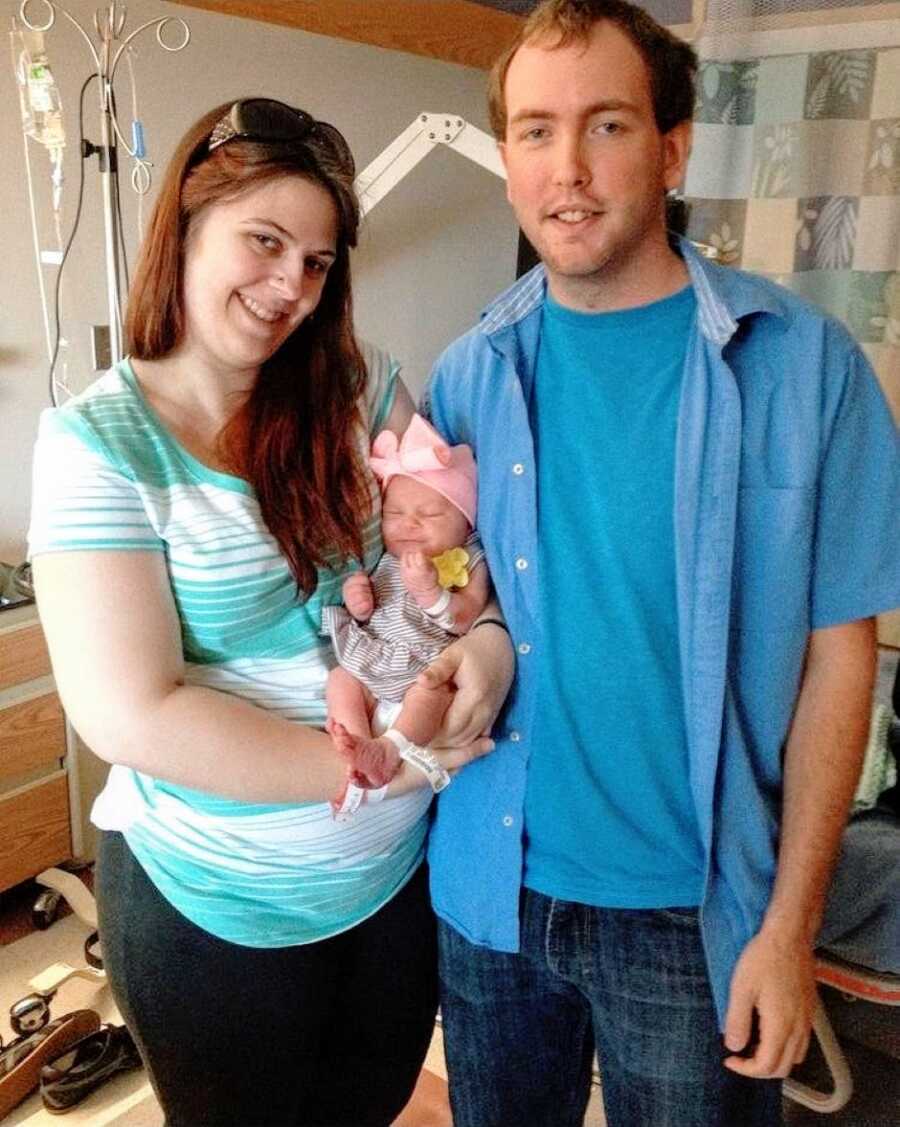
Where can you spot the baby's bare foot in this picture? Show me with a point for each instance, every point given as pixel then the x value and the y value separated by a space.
pixel 376 761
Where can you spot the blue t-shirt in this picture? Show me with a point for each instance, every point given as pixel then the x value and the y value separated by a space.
pixel 609 817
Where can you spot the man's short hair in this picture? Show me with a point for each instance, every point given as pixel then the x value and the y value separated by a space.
pixel 671 63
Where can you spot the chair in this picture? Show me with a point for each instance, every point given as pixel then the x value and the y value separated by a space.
pixel 856 982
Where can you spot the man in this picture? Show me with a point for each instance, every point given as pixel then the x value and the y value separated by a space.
pixel 688 497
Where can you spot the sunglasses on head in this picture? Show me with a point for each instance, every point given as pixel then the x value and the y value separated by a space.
pixel 264 119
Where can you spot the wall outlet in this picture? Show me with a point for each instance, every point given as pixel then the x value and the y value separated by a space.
pixel 101 347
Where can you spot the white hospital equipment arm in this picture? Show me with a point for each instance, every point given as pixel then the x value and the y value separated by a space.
pixel 425 132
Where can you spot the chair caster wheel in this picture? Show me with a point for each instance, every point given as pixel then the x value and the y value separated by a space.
pixel 29 1014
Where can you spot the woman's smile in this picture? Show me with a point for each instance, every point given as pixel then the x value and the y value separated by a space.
pixel 260 311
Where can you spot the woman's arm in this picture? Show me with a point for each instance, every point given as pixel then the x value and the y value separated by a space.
pixel 115 644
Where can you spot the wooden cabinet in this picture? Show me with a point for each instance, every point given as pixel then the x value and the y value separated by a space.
pixel 35 822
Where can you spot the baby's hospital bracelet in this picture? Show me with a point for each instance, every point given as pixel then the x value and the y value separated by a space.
pixel 421 758
pixel 440 612
pixel 352 797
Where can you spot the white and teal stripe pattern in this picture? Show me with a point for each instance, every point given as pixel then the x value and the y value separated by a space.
pixel 108 476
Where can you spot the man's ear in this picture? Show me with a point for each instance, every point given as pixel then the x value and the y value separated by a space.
pixel 501 149
pixel 676 150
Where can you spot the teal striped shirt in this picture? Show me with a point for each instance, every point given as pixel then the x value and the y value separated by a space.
pixel 109 476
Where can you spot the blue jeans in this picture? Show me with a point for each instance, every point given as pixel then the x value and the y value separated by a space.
pixel 520 1030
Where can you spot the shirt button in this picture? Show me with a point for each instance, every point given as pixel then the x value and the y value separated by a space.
pixel 507 820
pixel 521 563
pixel 515 737
pixel 518 469
pixel 524 648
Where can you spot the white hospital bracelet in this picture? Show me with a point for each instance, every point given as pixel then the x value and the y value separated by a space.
pixel 342 810
pixel 440 606
pixel 439 613
pixel 353 797
pixel 421 758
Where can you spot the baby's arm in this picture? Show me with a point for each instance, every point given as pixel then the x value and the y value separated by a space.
pixel 358 596
pixel 420 578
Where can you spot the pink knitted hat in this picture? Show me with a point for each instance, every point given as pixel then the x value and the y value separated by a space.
pixel 424 456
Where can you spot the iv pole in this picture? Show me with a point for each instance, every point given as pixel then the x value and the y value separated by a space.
pixel 109 25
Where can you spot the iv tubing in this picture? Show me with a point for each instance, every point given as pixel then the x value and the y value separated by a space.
pixel 37 250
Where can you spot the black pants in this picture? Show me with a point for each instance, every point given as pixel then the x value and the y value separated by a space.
pixel 328 1034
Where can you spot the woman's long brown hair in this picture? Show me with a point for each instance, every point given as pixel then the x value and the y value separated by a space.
pixel 296 438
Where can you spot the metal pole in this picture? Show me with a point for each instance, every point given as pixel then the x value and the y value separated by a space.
pixel 110 215
pixel 109 25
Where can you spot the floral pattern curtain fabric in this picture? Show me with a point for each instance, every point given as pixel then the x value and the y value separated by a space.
pixel 796 174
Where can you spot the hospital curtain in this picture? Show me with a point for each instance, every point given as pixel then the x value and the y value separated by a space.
pixel 795 170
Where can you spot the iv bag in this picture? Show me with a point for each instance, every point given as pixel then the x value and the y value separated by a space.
pixel 38 93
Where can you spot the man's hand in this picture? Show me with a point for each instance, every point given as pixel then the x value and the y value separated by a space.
pixel 419 577
pixel 775 978
pixel 481 666
pixel 358 596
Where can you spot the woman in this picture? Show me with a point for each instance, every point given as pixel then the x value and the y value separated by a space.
pixel 193 512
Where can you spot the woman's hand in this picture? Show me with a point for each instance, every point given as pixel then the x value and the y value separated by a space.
pixel 481 666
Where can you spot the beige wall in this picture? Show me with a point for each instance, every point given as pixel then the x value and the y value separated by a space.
pixel 431 253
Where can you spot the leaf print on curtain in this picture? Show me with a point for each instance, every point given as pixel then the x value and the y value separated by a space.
pixel 839 84
pixel 726 92
pixel 826 233
pixel 772 167
pixel 883 165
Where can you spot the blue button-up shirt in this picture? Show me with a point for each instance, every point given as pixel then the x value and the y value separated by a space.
pixel 787 479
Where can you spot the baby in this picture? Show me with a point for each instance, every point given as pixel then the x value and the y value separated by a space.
pixel 429 586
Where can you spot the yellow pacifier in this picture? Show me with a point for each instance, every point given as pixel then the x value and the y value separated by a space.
pixel 451 567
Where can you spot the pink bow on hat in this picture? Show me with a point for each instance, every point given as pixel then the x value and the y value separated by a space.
pixel 420 448
pixel 424 456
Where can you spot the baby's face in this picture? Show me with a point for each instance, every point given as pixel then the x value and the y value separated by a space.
pixel 415 518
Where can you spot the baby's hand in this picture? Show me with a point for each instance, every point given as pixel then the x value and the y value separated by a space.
pixel 419 576
pixel 358 596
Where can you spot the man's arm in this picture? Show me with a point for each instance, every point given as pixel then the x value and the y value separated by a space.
pixel 822 761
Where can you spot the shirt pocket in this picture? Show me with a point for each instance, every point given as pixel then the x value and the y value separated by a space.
pixel 774 541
